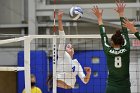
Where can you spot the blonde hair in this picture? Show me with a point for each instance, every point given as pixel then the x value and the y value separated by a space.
pixel 32 76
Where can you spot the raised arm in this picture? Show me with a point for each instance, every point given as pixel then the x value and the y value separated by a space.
pixel 130 25
pixel 60 24
pixel 120 10
pixel 85 79
pixel 104 38
pixel 61 48
pixel 98 13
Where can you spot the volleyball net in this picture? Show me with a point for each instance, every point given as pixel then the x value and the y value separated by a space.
pixel 37 54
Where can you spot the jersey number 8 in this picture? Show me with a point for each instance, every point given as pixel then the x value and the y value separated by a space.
pixel 118 62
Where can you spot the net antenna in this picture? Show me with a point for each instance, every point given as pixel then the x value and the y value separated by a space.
pixel 137 24
pixel 54 20
pixel 54 53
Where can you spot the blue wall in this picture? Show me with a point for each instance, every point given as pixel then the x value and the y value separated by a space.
pixel 97 84
pixel 38 68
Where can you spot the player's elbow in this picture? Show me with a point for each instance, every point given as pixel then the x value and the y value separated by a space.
pixel 86 80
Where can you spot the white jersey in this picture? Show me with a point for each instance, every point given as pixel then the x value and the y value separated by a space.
pixel 67 68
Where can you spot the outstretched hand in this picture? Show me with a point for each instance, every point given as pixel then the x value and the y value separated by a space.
pixel 98 12
pixel 60 14
pixel 120 8
pixel 129 25
pixel 88 70
pixel 60 25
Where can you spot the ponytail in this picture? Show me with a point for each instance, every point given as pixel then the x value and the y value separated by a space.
pixel 117 38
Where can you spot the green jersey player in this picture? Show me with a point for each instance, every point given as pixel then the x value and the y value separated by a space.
pixel 117 53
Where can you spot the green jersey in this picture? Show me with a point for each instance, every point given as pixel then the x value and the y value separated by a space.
pixel 117 59
pixel 137 34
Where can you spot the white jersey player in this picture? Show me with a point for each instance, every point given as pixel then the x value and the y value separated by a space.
pixel 67 67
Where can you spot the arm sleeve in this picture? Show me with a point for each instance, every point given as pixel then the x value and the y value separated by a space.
pixel 61 48
pixel 81 73
pixel 137 34
pixel 125 35
pixel 104 39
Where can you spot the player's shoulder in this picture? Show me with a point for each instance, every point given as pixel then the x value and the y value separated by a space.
pixel 76 61
pixel 38 89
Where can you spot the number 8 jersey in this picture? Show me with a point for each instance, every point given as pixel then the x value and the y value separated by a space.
pixel 118 59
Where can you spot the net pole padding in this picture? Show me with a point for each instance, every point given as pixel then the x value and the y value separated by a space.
pixel 27 73
pixel 12 69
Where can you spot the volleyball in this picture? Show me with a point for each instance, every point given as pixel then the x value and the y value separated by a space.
pixel 76 13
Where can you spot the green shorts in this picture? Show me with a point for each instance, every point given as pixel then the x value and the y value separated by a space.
pixel 113 89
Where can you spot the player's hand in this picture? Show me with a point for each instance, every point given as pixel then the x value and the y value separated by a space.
pixel 120 8
pixel 88 70
pixel 98 12
pixel 60 14
pixel 129 25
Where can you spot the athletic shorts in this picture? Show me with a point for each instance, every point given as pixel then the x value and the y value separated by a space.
pixel 62 90
pixel 114 89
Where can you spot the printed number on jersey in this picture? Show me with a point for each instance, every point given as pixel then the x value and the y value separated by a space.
pixel 73 69
pixel 118 62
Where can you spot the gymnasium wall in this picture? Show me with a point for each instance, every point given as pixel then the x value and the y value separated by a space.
pixel 11 11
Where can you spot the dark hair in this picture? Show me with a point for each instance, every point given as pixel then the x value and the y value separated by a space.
pixel 50 81
pixel 117 38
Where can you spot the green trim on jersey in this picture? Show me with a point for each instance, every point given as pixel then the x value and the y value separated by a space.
pixel 117 59
pixel 137 34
